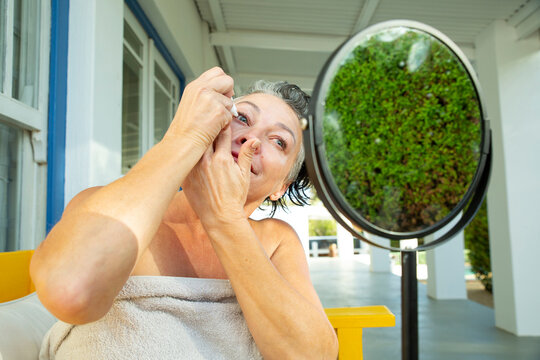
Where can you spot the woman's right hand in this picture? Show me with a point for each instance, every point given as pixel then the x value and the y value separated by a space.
pixel 204 109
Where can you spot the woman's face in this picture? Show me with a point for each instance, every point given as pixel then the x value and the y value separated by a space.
pixel 276 125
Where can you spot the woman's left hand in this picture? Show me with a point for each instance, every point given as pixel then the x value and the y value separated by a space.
pixel 217 186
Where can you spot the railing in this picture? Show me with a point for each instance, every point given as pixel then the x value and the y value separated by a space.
pixel 319 245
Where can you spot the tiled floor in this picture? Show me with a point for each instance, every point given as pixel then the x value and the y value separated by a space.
pixel 448 329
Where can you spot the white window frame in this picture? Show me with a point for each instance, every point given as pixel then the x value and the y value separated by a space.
pixel 33 123
pixel 143 62
pixel 150 56
pixel 156 57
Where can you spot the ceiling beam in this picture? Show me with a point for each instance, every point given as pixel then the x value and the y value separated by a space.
pixel 277 41
pixel 219 22
pixel 365 15
pixel 523 13
pixel 526 20
pixel 529 26
pixel 217 14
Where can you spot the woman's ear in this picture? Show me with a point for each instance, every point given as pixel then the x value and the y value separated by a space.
pixel 278 194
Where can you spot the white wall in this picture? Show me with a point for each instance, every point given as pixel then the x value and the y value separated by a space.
pixel 94 100
pixel 509 72
pixel 186 36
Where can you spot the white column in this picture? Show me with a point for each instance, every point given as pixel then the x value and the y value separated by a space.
pixel 298 219
pixel 509 72
pixel 94 100
pixel 345 242
pixel 446 266
pixel 380 258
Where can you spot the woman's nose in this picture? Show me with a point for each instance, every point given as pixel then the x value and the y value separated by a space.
pixel 245 137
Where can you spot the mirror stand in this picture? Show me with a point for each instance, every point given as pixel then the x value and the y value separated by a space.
pixel 409 306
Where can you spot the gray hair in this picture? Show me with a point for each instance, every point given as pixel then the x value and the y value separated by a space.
pixel 293 96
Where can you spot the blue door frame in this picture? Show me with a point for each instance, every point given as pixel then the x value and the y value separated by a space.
pixel 56 129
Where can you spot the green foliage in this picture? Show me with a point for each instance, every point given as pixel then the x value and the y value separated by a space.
pixel 477 242
pixel 402 131
pixel 322 227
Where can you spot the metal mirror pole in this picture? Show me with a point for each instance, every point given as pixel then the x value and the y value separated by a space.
pixel 409 306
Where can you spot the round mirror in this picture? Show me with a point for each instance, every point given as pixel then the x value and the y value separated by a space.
pixel 397 144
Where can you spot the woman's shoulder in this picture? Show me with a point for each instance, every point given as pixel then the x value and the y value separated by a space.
pixel 275 229
pixel 280 240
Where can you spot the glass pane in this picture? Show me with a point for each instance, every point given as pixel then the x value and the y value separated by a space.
pixel 26 51
pixel 132 39
pixel 131 111
pixel 9 187
pixel 3 11
pixel 162 114
pixel 161 77
pixel 402 129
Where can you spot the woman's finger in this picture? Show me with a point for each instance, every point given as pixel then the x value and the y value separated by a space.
pixel 226 101
pixel 222 84
pixel 211 73
pixel 246 155
pixel 223 141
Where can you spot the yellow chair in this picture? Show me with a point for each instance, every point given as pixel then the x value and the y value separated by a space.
pixel 349 322
pixel 15 283
pixel 15 279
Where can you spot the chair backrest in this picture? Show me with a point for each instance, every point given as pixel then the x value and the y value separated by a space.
pixel 15 281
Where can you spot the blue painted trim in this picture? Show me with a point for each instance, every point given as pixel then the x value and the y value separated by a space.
pixel 160 45
pixel 56 129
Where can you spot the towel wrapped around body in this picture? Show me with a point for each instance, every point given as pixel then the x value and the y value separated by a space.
pixel 160 317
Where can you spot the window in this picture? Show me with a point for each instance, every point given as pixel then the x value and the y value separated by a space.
pixel 9 186
pixel 24 45
pixel 150 93
pixel 20 50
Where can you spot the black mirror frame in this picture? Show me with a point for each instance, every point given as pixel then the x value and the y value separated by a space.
pixel 322 179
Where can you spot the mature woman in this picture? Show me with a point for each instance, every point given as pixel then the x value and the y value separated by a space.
pixel 116 268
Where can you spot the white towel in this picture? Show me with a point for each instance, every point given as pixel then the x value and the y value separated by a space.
pixel 160 317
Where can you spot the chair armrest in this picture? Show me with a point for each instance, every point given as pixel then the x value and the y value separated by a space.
pixel 361 317
pixel 349 322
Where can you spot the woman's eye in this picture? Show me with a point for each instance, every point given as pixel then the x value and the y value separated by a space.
pixel 282 144
pixel 242 118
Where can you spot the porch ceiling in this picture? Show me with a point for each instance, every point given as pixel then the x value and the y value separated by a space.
pixel 291 39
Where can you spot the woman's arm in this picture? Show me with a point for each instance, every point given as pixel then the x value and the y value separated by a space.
pixel 282 310
pixel 88 256
pixel 277 299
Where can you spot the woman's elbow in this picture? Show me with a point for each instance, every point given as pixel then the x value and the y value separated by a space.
pixel 71 304
pixel 67 299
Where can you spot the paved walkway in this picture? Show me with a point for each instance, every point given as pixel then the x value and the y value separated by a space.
pixel 448 329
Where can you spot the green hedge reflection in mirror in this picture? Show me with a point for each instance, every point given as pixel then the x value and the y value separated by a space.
pixel 402 130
